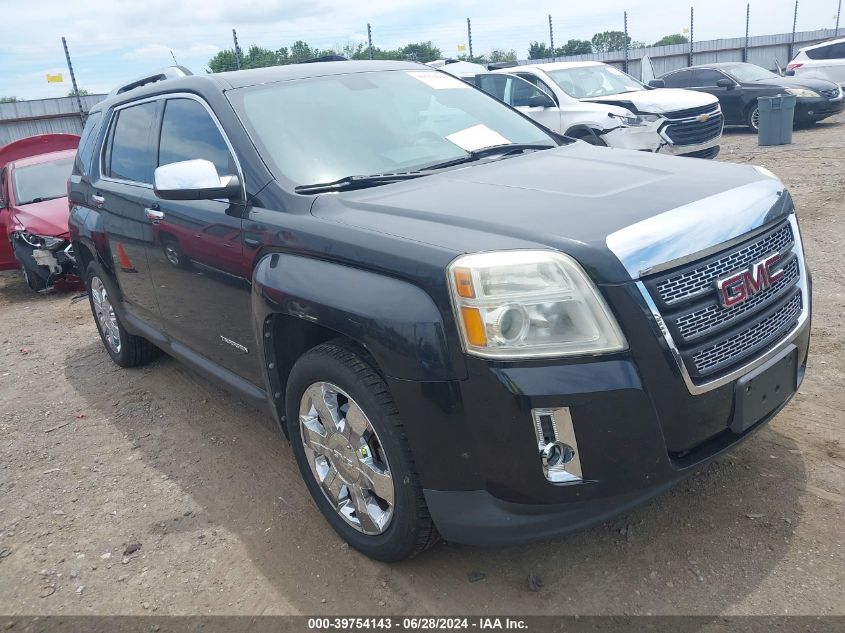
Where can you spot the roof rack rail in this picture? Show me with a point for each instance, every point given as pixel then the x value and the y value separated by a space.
pixel 171 72
pixel 324 58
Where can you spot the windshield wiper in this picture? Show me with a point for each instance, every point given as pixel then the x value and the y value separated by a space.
pixel 40 199
pixel 357 182
pixel 477 154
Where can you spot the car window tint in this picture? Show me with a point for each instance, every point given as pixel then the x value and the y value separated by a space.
pixel 822 52
pixel 681 79
pixel 130 157
pixel 493 85
pixel 539 83
pixel 704 77
pixel 87 142
pixel 188 132
pixel 3 200
pixel 837 51
pixel 522 92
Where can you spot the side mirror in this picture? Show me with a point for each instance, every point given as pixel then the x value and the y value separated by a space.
pixel 657 83
pixel 194 180
pixel 726 83
pixel 789 73
pixel 540 101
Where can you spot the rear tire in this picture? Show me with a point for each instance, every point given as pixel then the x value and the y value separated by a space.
pixel 354 456
pixel 125 349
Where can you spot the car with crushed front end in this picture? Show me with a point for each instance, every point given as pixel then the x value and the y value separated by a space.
pixel 466 326
pixel 34 210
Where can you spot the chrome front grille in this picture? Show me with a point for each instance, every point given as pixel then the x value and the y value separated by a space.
pixel 686 129
pixel 830 93
pixel 712 340
pixel 769 329
pixel 700 322
pixel 699 279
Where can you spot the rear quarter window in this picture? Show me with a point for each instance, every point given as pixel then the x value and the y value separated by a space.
pixel 822 52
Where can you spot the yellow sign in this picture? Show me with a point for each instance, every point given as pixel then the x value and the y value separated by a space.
pixel 462 48
pixel 55 79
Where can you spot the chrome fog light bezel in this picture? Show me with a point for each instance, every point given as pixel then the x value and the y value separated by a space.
pixel 557 445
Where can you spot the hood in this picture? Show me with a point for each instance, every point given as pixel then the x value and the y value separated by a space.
pixel 795 82
pixel 48 218
pixel 658 100
pixel 570 198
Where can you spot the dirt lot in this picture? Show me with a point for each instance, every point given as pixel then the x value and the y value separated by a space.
pixel 94 458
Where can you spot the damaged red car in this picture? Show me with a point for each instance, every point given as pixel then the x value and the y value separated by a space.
pixel 34 210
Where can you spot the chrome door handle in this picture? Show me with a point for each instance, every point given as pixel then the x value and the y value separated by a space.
pixel 98 200
pixel 154 215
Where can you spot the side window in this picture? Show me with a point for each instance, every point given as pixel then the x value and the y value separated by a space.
pixel 494 85
pixel 523 92
pixel 539 83
pixel 82 162
pixel 188 132
pixel 3 200
pixel 706 78
pixel 130 156
pixel 822 52
pixel 837 51
pixel 680 79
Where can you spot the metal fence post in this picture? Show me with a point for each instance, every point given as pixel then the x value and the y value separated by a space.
pixel 691 37
pixel 794 25
pixel 625 41
pixel 237 49
pixel 370 40
pixel 469 38
pixel 838 13
pixel 552 38
pixel 73 81
pixel 747 24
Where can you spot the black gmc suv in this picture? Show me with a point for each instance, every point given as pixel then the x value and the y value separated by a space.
pixel 464 325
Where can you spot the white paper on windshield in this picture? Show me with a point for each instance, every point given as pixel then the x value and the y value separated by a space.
pixel 476 137
pixel 437 80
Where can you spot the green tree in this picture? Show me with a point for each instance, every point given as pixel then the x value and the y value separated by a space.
pixel 576 47
pixel 420 52
pixel 497 55
pixel 82 93
pixel 223 61
pixel 675 38
pixel 8 99
pixel 609 41
pixel 539 50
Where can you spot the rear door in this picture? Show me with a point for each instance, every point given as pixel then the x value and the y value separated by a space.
pixel 202 279
pixel 121 191
pixel 7 256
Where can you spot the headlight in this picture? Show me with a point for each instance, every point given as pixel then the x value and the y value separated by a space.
pixel 40 241
pixel 529 304
pixel 802 92
pixel 634 120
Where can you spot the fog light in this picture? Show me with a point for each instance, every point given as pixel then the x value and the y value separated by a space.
pixel 557 445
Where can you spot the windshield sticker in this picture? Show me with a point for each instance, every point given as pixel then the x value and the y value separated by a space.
pixel 437 80
pixel 477 137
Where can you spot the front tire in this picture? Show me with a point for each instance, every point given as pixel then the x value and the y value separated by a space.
pixel 354 456
pixel 752 119
pixel 125 349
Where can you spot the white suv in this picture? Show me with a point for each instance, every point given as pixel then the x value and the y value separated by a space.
pixel 822 61
pixel 603 106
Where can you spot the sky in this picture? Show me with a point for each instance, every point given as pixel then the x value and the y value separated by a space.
pixel 113 41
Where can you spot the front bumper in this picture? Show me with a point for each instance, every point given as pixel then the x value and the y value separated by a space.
pixel 56 267
pixel 639 430
pixel 815 109
pixel 650 138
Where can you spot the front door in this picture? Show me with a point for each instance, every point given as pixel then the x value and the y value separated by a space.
pixel 201 277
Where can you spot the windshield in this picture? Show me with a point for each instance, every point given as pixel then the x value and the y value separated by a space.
pixel 325 128
pixel 750 72
pixel 44 181
pixel 594 81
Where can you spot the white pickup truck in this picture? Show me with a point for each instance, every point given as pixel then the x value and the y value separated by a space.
pixel 604 106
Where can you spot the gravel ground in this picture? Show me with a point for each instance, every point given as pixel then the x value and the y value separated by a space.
pixel 151 490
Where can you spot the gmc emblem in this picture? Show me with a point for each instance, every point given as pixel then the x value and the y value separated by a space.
pixel 745 284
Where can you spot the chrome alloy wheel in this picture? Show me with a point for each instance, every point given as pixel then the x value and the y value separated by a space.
pixel 755 119
pixel 346 458
pixel 105 314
